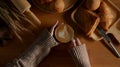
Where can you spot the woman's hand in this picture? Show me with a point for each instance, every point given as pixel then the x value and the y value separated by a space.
pixel 52 30
pixel 75 42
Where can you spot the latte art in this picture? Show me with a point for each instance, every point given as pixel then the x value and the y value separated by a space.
pixel 64 33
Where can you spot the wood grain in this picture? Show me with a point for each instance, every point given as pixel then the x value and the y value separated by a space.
pixel 99 53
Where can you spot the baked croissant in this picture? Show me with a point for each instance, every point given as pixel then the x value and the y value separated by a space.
pixel 107 15
pixel 92 4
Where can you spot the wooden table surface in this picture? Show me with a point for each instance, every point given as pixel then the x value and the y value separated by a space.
pixel 99 53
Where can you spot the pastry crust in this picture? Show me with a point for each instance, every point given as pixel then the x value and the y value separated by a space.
pixel 92 4
pixel 107 15
pixel 86 20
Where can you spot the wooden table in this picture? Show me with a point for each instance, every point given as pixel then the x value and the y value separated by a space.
pixel 99 53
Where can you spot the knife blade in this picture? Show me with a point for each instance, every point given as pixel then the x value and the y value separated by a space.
pixel 107 38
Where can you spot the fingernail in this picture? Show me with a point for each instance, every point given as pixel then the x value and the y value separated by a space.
pixel 74 43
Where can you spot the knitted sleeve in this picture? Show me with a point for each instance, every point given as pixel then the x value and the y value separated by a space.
pixel 80 56
pixel 36 52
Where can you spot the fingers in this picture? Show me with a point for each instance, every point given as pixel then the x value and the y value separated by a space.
pixel 75 42
pixel 53 28
pixel 55 25
pixel 78 41
pixel 72 44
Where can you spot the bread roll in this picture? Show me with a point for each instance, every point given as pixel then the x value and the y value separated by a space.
pixel 92 4
pixel 107 15
pixel 59 6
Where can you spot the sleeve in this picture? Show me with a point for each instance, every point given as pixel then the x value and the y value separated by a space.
pixel 80 56
pixel 36 52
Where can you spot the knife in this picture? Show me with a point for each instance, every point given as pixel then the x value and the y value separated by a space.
pixel 107 38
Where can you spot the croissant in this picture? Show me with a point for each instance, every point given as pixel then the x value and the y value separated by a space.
pixel 107 15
